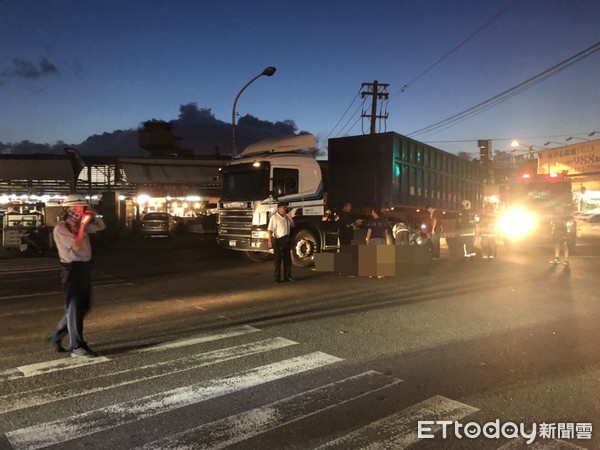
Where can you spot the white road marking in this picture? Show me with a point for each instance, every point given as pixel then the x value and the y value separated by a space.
pixel 399 431
pixel 229 332
pixel 55 432
pixel 248 424
pixel 103 382
pixel 69 363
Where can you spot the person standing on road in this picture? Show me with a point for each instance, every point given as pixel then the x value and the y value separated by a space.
pixel 279 229
pixel 435 232
pixel 71 236
pixel 559 239
pixel 346 225
pixel 377 230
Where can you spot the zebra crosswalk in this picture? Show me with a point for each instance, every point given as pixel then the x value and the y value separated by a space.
pixel 159 384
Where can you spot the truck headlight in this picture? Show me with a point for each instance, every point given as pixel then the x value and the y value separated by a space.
pixel 518 223
pixel 260 235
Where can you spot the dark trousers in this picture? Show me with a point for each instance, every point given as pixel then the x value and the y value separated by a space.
pixel 77 287
pixel 282 252
pixel 435 244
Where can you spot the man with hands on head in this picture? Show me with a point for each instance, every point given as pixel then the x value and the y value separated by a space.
pixel 71 236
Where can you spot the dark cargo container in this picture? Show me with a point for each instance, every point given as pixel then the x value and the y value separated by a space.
pixel 393 171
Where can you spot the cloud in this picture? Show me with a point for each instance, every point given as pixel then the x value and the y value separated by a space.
pixel 197 128
pixel 22 68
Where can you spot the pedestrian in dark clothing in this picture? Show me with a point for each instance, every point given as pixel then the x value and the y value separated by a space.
pixel 280 225
pixel 346 225
pixel 560 233
pixel 377 231
pixel 75 253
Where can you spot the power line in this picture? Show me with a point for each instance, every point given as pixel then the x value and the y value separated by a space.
pixel 360 107
pixel 503 96
pixel 345 112
pixel 471 36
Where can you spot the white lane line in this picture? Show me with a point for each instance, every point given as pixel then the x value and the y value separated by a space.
pixel 69 363
pixel 20 270
pixel 79 425
pixel 104 382
pixel 248 424
pixel 545 444
pixel 33 370
pixel 230 332
pixel 399 431
pixel 94 283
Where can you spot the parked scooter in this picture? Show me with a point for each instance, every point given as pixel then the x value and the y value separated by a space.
pixel 34 242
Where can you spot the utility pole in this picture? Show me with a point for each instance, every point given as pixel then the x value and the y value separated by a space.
pixel 374 91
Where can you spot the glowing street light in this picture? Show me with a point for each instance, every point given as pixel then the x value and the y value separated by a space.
pixel 515 146
pixel 268 72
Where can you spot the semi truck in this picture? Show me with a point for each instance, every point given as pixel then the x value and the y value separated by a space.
pixel 387 170
pixel 532 202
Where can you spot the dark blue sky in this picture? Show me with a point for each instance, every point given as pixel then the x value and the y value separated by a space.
pixel 71 69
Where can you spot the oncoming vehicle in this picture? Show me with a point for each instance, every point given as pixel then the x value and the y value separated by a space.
pixel 588 226
pixel 157 224
pixel 533 201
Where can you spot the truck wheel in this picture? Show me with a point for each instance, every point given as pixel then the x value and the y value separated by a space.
pixel 257 256
pixel 304 247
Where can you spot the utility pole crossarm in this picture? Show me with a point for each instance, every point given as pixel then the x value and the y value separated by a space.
pixel 374 91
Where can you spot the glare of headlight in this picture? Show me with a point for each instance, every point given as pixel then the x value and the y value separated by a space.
pixel 517 223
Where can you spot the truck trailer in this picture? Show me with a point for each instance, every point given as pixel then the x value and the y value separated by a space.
pixel 390 171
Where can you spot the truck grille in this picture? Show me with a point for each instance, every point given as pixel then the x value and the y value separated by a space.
pixel 235 223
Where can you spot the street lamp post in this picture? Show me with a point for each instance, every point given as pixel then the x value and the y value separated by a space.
pixel 269 71
pixel 575 137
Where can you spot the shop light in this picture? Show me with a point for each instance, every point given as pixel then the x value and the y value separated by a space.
pixel 142 198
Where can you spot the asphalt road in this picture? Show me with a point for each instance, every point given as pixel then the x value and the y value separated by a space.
pixel 200 349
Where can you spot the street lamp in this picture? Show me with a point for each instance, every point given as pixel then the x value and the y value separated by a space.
pixel 593 133
pixel 575 137
pixel 552 142
pixel 269 71
pixel 515 144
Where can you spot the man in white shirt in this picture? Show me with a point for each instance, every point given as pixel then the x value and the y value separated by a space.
pixel 75 253
pixel 279 229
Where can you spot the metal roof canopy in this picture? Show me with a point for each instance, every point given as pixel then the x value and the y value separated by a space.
pixel 281 145
pixel 172 172
pixel 36 169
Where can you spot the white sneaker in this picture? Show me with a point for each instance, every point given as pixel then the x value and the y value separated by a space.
pixel 554 261
pixel 566 263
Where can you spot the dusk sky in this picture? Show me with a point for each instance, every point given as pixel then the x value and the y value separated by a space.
pixel 71 69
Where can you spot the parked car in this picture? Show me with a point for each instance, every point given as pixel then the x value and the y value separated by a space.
pixel 157 224
pixel 588 226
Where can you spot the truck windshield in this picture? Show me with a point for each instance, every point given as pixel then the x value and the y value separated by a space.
pixel 245 182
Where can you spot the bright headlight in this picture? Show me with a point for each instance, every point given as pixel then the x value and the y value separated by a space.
pixel 518 223
pixel 260 235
